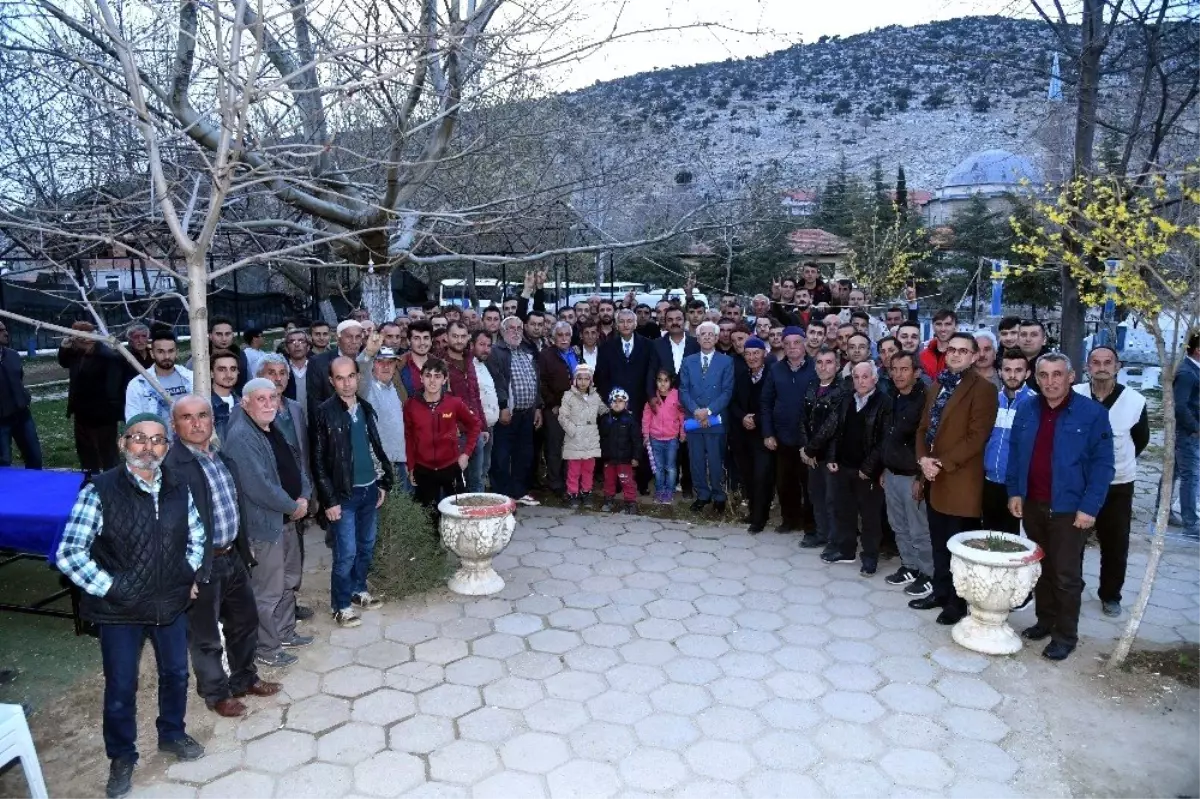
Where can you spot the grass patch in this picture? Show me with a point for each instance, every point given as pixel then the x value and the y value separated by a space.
pixel 1181 663
pixel 409 557
pixel 55 432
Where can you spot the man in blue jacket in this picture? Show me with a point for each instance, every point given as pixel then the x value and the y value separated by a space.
pixel 705 389
pixel 1060 464
pixel 787 382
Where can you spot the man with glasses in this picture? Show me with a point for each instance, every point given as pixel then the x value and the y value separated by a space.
pixel 133 543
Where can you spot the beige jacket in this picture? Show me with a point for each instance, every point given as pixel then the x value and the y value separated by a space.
pixel 577 415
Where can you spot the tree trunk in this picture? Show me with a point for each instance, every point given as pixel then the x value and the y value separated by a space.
pixel 197 272
pixel 1163 512
pixel 376 286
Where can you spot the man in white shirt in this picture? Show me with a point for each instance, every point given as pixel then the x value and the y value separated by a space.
pixel 481 348
pixel 297 348
pixel 589 338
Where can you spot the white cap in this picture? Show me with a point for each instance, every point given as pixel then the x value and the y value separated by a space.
pixel 346 325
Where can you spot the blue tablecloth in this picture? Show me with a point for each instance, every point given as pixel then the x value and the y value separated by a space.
pixel 34 506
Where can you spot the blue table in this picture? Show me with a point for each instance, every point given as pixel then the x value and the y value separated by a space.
pixel 34 507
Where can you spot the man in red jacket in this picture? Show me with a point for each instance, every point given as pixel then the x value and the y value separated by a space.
pixel 432 424
pixel 933 356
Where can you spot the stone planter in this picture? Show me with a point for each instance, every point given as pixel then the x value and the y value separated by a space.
pixel 476 527
pixel 992 583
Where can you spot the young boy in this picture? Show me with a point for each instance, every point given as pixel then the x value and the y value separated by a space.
pixel 432 423
pixel 620 443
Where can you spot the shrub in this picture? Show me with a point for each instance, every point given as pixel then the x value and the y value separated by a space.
pixel 981 105
pixel 841 108
pixel 409 558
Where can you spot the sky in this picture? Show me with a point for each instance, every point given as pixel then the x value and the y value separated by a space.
pixel 743 28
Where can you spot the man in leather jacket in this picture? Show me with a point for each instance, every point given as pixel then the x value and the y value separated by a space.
pixel 353 475
pixel 852 437
pixel 824 395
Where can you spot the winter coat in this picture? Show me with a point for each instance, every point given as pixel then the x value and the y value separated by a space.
pixel 816 410
pixel 577 416
pixel 431 432
pixel 877 418
pixel 962 436
pixel 666 422
pixel 620 440
pixel 932 361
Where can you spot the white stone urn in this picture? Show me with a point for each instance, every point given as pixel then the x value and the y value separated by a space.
pixel 992 583
pixel 476 527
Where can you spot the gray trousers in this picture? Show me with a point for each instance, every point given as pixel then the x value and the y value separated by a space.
pixel 909 522
pixel 555 437
pixel 275 580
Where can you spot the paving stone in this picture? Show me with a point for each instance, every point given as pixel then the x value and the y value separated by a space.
pixel 464 762
pixel 602 740
pixel 955 658
pixel 260 721
pixel 622 612
pixel 785 750
pixel 207 768
pixel 692 670
pixel 979 725
pixel 852 651
pixel 841 740
pixel 438 790
pixel 487 608
pixel 387 774
pixel 729 723
pixel 606 635
pixel 785 714
pixel 474 671
pixel 498 646
pixel 315 781
pixel 356 637
pixel 715 605
pixel 777 784
pixel 383 654
pixel 901 668
pixel 553 715
pixel 750 665
pixel 490 724
pixel 440 651
pixel 352 681
pixel 535 752
pixel 448 700
pixel 414 676
pixel 720 759
pixel 753 641
pixel 799 685
pixel 653 653
pixel 573 619
pixel 350 743
pixel 421 735
pixel 852 706
pixel 280 751
pixel 515 693
pixel 680 698
pixel 916 699
pixel 841 779
pixel 318 713
pixel 981 760
pixel 300 683
pixel 327 658
pixel 653 769
pixel 163 790
pixel 804 630
pixel 916 731
pixel 620 707
pixel 242 784
pixel 534 665
pixel 575 685
pixel 518 624
pixel 595 659
pixel 384 707
pixel 972 789
pixel 583 779
pixel 760 620
pixel 703 646
pixel 465 629
pixel 916 768
pixel 528 606
pixel 968 692
pixel 635 678
pixel 554 641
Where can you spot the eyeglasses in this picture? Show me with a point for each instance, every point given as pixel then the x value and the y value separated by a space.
pixel 960 350
pixel 141 439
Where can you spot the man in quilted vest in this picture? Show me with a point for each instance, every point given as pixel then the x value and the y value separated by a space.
pixel 134 542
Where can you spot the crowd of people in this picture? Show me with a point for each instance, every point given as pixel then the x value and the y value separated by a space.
pixel 872 442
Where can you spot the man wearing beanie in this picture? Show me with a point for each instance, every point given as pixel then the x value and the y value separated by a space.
pixel 133 543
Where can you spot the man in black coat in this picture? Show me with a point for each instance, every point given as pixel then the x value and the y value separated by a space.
pixel 667 353
pixel 624 362
pixel 756 462
pixel 95 397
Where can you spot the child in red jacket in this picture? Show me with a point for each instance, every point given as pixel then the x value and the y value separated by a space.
pixel 432 423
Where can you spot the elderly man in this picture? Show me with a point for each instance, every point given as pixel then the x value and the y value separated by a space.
pixel 142 397
pixel 350 339
pixel 746 434
pixel 513 364
pixel 902 480
pixel 624 362
pixel 223 618
pixel 705 389
pixel 787 385
pixel 1131 433
pixel 379 389
pixel 556 369
pixel 276 490
pixel 351 488
pixel 1059 470
pixel 985 363
pixel 138 336
pixel 133 543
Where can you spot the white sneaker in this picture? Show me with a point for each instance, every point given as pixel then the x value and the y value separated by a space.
pixel 364 600
pixel 346 617
pixel 527 500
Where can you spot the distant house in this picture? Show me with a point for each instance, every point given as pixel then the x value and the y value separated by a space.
pixel 800 202
pixel 829 251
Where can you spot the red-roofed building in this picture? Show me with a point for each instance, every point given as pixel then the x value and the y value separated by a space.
pixel 800 202
pixel 828 250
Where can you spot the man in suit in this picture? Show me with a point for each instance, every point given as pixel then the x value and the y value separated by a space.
pixel 705 389
pixel 668 353
pixel 960 412
pixel 624 362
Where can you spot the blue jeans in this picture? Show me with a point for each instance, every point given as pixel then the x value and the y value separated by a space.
pixel 353 545
pixel 19 427
pixel 402 481
pixel 1187 471
pixel 474 473
pixel 121 653
pixel 512 455
pixel 665 454
pixel 706 446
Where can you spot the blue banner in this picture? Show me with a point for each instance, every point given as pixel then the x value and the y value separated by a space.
pixel 998 268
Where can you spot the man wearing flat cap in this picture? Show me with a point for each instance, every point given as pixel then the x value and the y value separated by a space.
pixel 756 463
pixel 134 542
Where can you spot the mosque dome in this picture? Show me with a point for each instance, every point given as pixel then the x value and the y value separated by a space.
pixel 992 169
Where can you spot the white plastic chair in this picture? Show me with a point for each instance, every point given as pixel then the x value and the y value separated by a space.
pixel 17 744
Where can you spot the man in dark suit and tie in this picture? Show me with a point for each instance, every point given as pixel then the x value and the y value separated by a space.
pixel 667 353
pixel 624 362
pixel 705 389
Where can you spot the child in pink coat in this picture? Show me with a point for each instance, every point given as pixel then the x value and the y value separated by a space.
pixel 662 428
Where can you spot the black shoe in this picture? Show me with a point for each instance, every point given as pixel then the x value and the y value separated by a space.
pixel 784 528
pixel 607 507
pixel 925 603
pixel 698 505
pixel 185 748
pixel 919 588
pixel 1111 607
pixel 869 567
pixel 754 529
pixel 303 613
pixel 573 501
pixel 833 557
pixel 902 576
pixel 631 509
pixel 811 541
pixel 296 641
pixel 886 553
pixel 719 508
pixel 1036 633
pixel 120 777
pixel 585 499
pixel 1057 650
pixel 951 615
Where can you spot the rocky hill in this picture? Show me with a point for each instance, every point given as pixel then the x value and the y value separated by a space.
pixel 924 96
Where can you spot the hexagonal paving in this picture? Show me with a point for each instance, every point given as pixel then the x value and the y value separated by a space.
pixel 646 657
